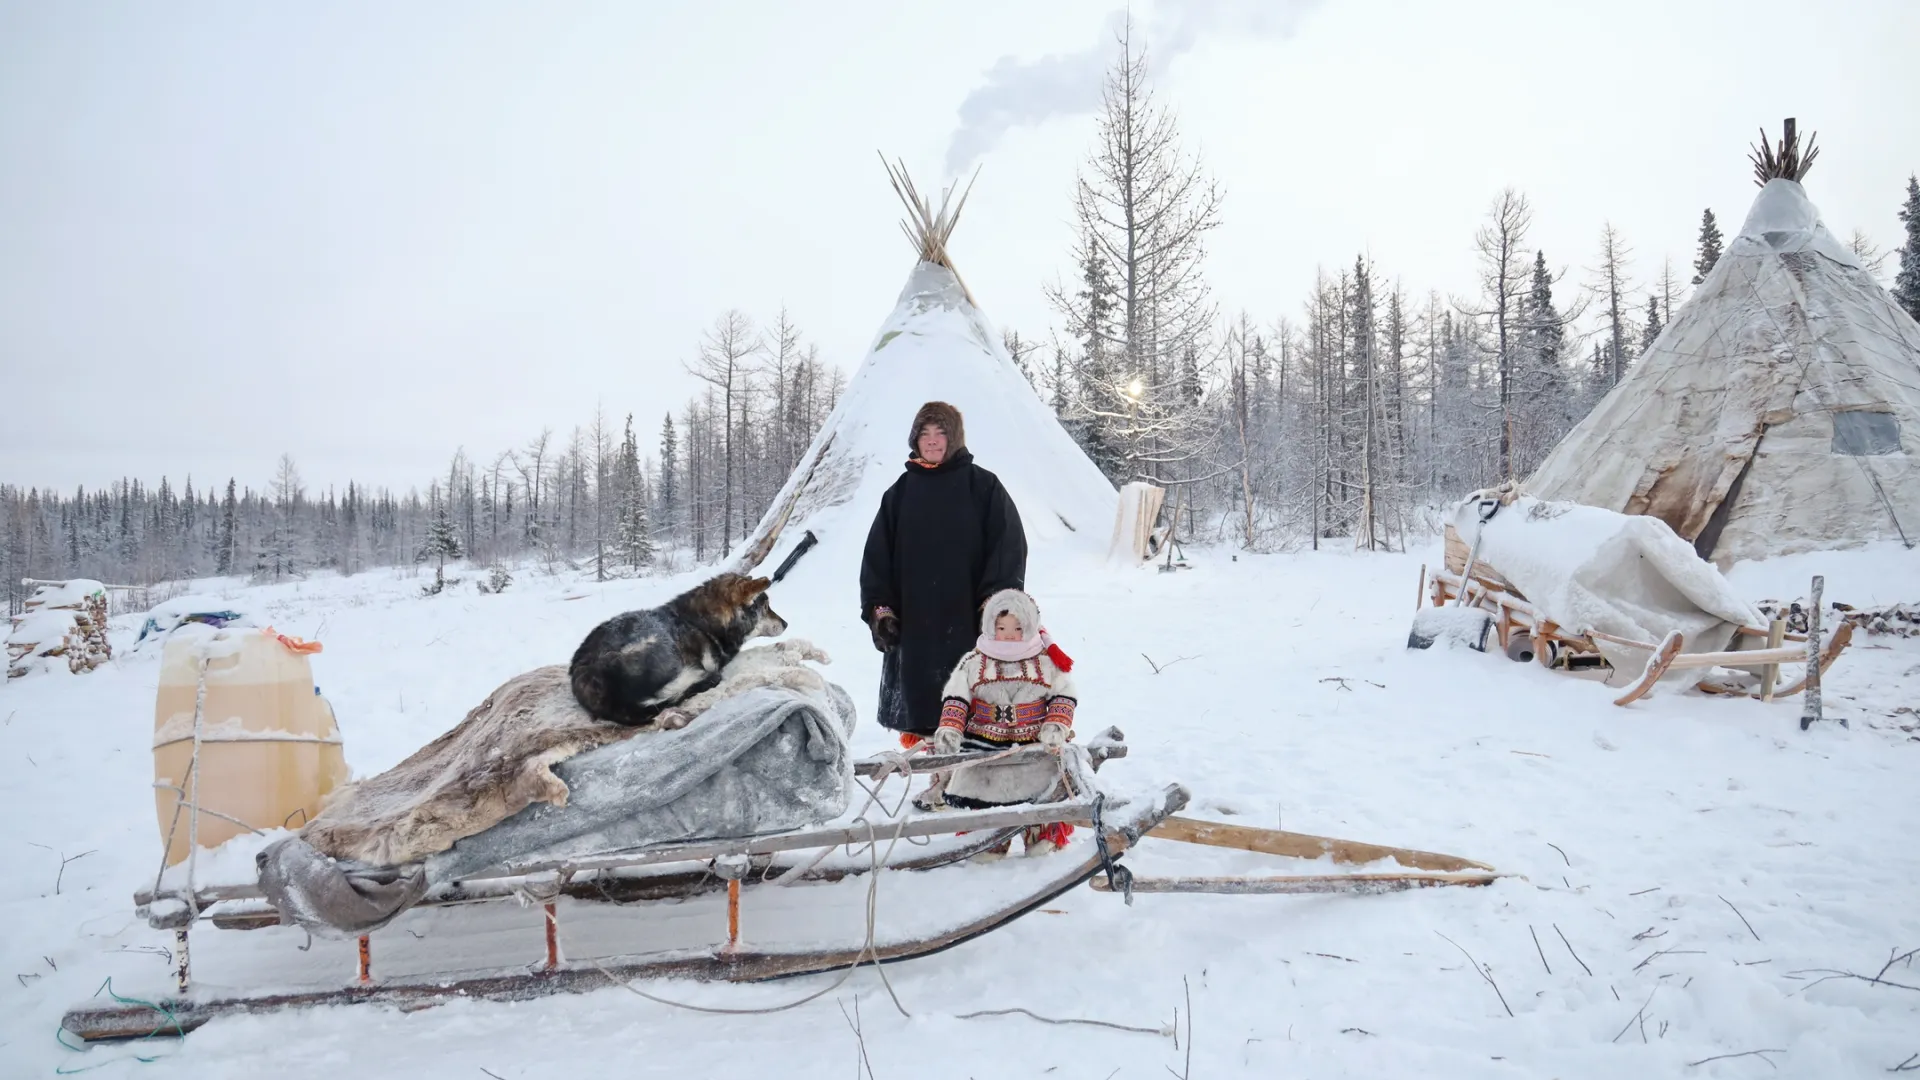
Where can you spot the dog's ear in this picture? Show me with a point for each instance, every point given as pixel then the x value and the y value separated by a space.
pixel 743 590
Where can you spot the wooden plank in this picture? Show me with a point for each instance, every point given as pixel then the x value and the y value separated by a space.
pixel 1302 845
pixel 1294 884
pixel 1740 658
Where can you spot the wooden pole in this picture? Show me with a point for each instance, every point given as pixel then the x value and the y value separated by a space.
pixel 1302 845
pixel 733 915
pixel 1284 884
pixel 366 960
pixel 1776 635
pixel 1811 712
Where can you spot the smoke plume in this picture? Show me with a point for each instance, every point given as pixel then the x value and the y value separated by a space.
pixel 1021 93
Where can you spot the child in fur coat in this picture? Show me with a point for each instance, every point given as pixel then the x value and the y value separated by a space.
pixel 1012 689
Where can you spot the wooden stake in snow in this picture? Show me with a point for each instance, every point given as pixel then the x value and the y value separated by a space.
pixel 1812 710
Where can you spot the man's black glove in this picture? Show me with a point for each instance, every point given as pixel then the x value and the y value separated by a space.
pixel 886 629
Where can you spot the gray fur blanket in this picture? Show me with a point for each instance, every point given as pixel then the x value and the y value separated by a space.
pixel 770 756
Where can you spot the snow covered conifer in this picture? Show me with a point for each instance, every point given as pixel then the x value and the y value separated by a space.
pixel 633 537
pixel 669 492
pixel 223 558
pixel 442 541
pixel 1709 247
pixel 1652 331
pixel 1906 283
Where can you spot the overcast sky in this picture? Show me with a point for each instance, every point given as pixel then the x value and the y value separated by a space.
pixel 369 234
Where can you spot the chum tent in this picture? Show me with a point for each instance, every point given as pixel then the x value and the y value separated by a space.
pixel 1779 410
pixel 934 346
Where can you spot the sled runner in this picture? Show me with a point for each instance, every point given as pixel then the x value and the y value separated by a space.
pixel 668 877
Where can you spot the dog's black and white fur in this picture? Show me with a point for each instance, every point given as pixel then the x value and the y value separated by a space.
pixel 638 665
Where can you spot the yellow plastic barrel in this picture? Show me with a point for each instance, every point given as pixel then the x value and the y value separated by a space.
pixel 270 750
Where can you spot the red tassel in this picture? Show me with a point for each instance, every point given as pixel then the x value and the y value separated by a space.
pixel 1060 659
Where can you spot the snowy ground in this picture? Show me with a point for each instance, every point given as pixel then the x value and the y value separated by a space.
pixel 1285 697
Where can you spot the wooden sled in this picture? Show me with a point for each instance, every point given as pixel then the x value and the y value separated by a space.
pixel 1525 634
pixel 660 873
pixel 1453 869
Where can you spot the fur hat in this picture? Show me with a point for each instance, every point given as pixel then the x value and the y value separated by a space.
pixel 943 416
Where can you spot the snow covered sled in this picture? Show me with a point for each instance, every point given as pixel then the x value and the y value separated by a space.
pixel 1579 587
pixel 532 878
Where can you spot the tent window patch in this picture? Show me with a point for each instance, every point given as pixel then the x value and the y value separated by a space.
pixel 1859 433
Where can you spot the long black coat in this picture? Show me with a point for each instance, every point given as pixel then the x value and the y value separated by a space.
pixel 946 539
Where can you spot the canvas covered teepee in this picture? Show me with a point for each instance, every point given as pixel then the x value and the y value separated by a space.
pixel 935 346
pixel 1778 412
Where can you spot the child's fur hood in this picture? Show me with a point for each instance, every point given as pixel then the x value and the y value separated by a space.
pixel 1015 603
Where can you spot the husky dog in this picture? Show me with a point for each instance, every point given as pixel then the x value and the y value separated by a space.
pixel 637 664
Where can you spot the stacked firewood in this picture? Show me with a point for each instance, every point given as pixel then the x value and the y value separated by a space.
pixel 1896 620
pixel 67 620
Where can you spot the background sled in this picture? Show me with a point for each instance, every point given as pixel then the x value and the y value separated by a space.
pixel 1525 635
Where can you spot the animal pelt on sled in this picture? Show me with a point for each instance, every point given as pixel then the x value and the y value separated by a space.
pixel 637 664
pixel 500 758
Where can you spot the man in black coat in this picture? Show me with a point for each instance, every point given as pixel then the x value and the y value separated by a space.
pixel 946 538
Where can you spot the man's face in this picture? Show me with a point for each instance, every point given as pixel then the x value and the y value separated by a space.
pixel 933 444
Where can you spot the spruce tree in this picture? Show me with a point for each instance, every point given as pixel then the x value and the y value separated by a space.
pixel 669 474
pixel 223 558
pixel 633 537
pixel 1652 332
pixel 1546 335
pixel 442 541
pixel 1546 405
pixel 1906 283
pixel 1709 247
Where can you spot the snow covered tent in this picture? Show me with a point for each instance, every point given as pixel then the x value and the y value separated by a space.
pixel 935 346
pixel 1778 412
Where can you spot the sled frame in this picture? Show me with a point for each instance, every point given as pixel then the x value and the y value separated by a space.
pixel 733 864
